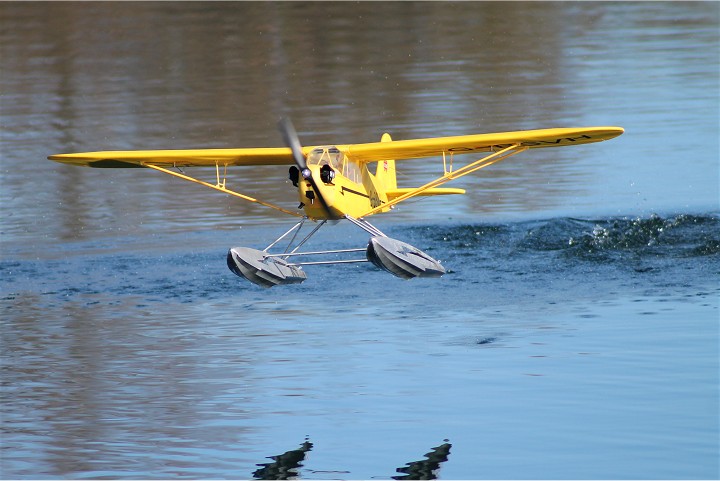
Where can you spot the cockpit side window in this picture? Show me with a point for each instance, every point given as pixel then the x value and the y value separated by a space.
pixel 352 172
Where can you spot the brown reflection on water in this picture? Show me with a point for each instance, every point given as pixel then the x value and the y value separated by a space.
pixel 103 76
pixel 117 382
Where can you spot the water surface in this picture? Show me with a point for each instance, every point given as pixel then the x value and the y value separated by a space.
pixel 575 335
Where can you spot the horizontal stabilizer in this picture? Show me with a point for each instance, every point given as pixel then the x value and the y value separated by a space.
pixel 395 193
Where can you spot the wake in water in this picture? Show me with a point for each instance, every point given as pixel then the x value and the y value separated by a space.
pixel 687 234
pixel 683 235
pixel 565 258
pixel 613 233
pixel 522 257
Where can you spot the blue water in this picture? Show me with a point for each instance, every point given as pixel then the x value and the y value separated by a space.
pixel 563 348
pixel 575 335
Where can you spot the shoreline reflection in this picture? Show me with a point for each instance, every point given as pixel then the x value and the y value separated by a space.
pixel 426 468
pixel 286 465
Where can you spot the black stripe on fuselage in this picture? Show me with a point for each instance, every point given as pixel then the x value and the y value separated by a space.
pixel 344 189
pixel 374 200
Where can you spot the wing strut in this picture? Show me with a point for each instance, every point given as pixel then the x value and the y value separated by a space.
pixel 452 175
pixel 221 187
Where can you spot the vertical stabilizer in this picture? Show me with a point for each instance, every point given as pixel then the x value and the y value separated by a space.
pixel 385 173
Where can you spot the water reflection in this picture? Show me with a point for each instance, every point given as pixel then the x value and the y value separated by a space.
pixel 219 74
pixel 284 466
pixel 426 468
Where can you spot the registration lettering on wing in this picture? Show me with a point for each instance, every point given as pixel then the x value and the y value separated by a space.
pixel 527 143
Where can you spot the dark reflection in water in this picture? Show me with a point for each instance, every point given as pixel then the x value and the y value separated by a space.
pixel 426 468
pixel 284 466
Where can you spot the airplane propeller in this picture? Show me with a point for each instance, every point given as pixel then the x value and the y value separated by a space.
pixel 291 140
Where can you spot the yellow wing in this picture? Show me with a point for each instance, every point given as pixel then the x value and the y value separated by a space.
pixel 369 152
pixel 465 144
pixel 180 158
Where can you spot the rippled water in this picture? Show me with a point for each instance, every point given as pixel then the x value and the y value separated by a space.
pixel 574 336
pixel 550 347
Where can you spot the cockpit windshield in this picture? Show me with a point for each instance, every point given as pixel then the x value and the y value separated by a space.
pixel 332 156
pixel 326 155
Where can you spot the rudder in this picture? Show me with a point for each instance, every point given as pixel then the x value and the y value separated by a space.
pixel 385 173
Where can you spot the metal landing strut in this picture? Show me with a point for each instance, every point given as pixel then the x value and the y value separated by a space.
pixel 267 270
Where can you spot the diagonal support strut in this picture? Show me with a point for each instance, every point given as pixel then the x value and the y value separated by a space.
pixel 452 175
pixel 221 187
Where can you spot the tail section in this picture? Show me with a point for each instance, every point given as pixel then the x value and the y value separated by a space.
pixel 385 173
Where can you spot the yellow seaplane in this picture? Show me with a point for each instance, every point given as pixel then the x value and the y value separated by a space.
pixel 342 182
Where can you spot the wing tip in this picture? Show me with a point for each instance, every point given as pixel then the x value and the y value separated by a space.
pixel 613 131
pixel 71 159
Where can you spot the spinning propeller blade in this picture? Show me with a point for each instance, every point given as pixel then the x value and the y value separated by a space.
pixel 291 140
